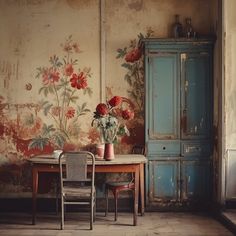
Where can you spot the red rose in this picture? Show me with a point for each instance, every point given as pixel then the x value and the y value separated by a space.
pixel 133 55
pixel 127 114
pixel 102 109
pixel 115 101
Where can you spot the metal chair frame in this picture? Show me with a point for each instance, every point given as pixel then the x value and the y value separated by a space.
pixel 75 185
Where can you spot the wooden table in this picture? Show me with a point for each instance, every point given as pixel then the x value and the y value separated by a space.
pixel 130 163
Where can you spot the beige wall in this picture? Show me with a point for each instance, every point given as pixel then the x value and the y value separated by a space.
pixel 230 73
pixel 126 19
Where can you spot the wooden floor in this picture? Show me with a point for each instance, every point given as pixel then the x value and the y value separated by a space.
pixel 155 223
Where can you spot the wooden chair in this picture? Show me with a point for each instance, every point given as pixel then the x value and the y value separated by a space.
pixel 77 186
pixel 116 187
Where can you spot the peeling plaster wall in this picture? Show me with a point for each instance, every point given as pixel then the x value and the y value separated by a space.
pixel 32 31
pixel 126 19
pixel 230 73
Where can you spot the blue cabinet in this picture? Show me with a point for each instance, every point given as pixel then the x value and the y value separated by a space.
pixel 178 120
pixel 163 92
pixel 196 180
pixel 163 177
pixel 196 102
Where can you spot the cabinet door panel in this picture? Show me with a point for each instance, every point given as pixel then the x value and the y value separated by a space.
pixel 195 177
pixel 163 177
pixel 196 95
pixel 163 96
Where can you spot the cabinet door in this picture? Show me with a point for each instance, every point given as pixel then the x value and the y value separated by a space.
pixel 162 96
pixel 195 177
pixel 163 176
pixel 196 95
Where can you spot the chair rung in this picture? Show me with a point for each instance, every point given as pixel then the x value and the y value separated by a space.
pixel 77 203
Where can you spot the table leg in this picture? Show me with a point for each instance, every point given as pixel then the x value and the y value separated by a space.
pixel 136 194
pixel 141 169
pixel 34 193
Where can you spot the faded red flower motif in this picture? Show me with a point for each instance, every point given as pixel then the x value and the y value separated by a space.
pixel 50 76
pixel 79 81
pixel 93 135
pixel 56 111
pixel 133 55
pixel 28 126
pixel 67 47
pixel 115 101
pixel 102 109
pixel 127 114
pixel 76 47
pixel 70 112
pixel 69 69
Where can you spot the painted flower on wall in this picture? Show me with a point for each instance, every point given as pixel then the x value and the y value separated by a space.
pixel 110 119
pixel 134 76
pixel 62 84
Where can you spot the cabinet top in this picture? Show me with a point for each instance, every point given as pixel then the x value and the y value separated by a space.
pixel 209 40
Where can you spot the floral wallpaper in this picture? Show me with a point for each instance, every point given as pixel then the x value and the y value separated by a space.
pixel 54 122
pixel 50 74
pixel 51 123
pixel 132 60
pixel 63 82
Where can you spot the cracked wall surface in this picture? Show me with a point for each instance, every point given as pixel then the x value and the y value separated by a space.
pixel 35 34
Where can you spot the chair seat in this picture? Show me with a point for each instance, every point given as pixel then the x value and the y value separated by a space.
pixel 82 192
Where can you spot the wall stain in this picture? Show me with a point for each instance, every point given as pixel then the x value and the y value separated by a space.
pixel 82 4
pixel 8 70
pixel 27 2
pixel 136 5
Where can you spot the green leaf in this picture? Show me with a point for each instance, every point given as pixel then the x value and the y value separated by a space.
pixel 140 36
pixel 121 52
pixel 69 90
pixel 83 105
pixel 82 110
pixel 88 91
pixel 59 139
pixel 46 130
pixel 74 62
pixel 74 99
pixel 38 143
pixel 128 79
pixel 40 71
pixel 42 90
pixel 55 61
pixel 127 66
pixel 47 109
pixel 51 89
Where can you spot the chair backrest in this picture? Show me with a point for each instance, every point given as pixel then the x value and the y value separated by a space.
pixel 73 167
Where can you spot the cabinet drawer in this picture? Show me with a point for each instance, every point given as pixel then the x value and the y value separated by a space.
pixel 164 148
pixel 196 149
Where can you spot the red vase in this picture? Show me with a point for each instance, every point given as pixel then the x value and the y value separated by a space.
pixel 109 152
